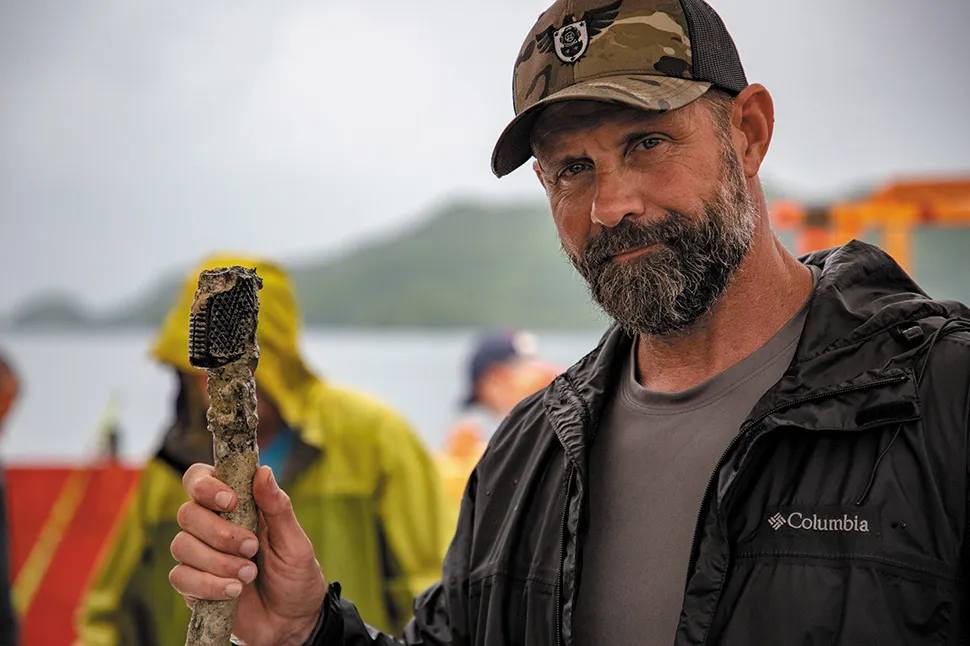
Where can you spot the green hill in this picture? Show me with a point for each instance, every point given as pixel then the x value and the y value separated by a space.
pixel 467 264
pixel 50 310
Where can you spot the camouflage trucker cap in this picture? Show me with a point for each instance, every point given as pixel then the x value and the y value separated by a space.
pixel 650 54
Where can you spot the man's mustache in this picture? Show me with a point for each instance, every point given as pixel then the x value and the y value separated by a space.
pixel 628 235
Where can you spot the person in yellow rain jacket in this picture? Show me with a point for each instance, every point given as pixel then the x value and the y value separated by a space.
pixel 504 368
pixel 361 482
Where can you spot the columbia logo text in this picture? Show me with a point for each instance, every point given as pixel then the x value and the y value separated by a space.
pixel 815 523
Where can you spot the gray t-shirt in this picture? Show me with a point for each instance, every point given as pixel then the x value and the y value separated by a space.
pixel 649 467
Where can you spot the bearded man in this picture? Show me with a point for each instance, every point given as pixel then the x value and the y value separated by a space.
pixel 762 450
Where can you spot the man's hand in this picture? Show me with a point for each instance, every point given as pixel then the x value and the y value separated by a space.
pixel 280 601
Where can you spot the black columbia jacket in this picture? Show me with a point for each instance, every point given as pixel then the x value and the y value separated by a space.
pixel 838 514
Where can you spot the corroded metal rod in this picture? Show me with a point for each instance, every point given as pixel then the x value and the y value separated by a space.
pixel 222 340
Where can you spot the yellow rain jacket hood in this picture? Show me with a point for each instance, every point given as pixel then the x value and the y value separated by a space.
pixel 281 373
pixel 365 491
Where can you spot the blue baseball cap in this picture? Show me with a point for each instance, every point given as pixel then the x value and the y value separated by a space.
pixel 493 348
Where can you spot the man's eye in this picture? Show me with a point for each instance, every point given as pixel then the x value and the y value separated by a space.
pixel 573 169
pixel 652 142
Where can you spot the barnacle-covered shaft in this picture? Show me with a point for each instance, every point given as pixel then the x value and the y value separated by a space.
pixel 222 339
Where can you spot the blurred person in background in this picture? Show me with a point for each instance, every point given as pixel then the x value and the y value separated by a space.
pixel 9 390
pixel 361 483
pixel 504 368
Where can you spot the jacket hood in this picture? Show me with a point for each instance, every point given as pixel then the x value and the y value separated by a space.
pixel 862 291
pixel 281 373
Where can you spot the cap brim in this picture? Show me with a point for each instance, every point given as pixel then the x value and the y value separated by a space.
pixel 644 91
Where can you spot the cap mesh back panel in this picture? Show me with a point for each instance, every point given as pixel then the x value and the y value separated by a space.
pixel 715 58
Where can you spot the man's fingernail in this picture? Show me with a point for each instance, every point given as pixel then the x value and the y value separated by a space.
pixel 223 499
pixel 234 589
pixel 249 548
pixel 272 481
pixel 247 573
pixel 190 601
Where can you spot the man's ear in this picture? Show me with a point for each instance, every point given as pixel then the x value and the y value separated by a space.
pixel 753 121
pixel 538 170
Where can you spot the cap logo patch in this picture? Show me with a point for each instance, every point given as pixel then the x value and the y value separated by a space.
pixel 571 40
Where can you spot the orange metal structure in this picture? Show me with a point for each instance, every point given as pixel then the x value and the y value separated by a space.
pixel 895 209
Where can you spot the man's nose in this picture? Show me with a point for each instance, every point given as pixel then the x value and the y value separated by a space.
pixel 617 196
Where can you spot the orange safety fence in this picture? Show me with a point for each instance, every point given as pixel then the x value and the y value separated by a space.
pixel 60 519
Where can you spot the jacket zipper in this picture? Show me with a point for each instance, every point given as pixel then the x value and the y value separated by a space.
pixel 695 543
pixel 562 556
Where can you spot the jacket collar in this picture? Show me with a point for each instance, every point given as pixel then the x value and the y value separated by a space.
pixel 861 292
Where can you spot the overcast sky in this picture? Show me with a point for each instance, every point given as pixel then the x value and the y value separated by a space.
pixel 136 136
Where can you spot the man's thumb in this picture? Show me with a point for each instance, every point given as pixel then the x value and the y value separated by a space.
pixel 283 529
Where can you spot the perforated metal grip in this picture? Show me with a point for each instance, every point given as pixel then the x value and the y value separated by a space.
pixel 222 323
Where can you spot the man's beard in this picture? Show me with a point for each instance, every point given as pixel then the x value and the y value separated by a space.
pixel 667 289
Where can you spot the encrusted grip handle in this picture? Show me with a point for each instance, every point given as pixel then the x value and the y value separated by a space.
pixel 222 322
